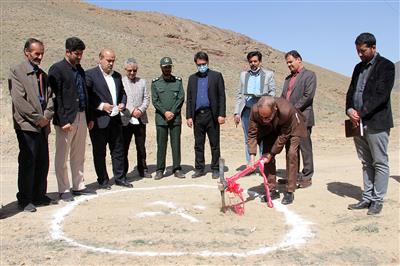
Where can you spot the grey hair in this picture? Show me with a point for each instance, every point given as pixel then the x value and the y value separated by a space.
pixel 130 61
pixel 266 101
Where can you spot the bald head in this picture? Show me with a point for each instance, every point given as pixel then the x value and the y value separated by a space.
pixel 107 59
pixel 266 102
pixel 267 108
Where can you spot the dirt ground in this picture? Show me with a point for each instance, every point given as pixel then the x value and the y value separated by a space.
pixel 174 221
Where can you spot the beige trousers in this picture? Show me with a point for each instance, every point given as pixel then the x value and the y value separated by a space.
pixel 73 143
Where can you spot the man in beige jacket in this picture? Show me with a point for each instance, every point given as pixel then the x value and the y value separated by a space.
pixel 32 108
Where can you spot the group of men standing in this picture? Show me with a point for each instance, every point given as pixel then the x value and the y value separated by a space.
pixel 274 123
pixel 113 108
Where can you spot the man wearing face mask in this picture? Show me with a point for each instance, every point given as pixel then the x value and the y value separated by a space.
pixel 254 83
pixel 278 124
pixel 167 96
pixel 32 109
pixel 67 80
pixel 107 99
pixel 205 111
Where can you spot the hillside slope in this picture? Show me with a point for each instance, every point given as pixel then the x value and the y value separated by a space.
pixel 147 37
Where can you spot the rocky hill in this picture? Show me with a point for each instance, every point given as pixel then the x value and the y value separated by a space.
pixel 146 36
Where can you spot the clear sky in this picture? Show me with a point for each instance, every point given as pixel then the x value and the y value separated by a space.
pixel 322 31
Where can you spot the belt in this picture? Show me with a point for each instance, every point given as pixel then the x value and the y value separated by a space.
pixel 203 110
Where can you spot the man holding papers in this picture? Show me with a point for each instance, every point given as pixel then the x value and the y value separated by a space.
pixel 368 106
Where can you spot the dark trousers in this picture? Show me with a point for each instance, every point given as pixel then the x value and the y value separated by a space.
pixel 111 135
pixel 33 166
pixel 205 124
pixel 139 131
pixel 162 141
pixel 307 156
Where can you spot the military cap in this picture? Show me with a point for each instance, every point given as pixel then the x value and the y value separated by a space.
pixel 165 61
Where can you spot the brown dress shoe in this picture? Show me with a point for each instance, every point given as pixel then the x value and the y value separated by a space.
pixel 304 183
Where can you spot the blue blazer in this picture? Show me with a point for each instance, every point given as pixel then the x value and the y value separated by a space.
pixel 99 93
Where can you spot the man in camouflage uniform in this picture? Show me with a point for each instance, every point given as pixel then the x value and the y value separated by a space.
pixel 167 98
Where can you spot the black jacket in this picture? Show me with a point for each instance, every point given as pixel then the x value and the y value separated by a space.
pixel 216 95
pixel 66 101
pixel 376 112
pixel 99 93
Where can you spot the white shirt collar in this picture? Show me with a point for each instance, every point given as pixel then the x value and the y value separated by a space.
pixel 104 73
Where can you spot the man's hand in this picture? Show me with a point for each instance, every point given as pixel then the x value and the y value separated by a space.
pixel 236 118
pixel 108 107
pixel 90 125
pixel 221 120
pixel 252 161
pixel 43 122
pixel 67 127
pixel 354 117
pixel 189 122
pixel 267 158
pixel 136 113
pixel 169 115
pixel 121 107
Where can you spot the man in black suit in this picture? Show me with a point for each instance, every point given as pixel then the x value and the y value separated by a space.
pixel 67 81
pixel 368 106
pixel 205 111
pixel 107 99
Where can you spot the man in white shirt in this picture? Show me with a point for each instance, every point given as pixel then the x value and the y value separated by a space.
pixel 107 99
pixel 135 123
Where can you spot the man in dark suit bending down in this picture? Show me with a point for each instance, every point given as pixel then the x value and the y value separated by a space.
pixel 276 123
pixel 107 99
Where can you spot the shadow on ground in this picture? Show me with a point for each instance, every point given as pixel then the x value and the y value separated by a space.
pixel 345 190
pixel 396 177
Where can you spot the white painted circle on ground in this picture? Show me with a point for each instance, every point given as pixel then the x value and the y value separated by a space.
pixel 298 235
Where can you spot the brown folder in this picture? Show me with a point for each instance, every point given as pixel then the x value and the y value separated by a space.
pixel 351 130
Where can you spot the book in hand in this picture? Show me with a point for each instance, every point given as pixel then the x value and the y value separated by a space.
pixel 351 130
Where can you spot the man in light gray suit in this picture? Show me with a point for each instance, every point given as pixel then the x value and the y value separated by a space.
pixel 254 84
pixel 299 89
pixel 135 119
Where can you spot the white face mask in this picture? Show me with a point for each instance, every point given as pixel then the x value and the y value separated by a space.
pixel 202 68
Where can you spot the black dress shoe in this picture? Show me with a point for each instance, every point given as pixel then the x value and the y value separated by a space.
pixel 26 207
pixel 159 175
pixel 66 196
pixel 30 208
pixel 85 191
pixel 359 205
pixel 145 174
pixel 198 173
pixel 105 185
pixel 44 201
pixel 304 182
pixel 123 183
pixel 274 194
pixel 288 198
pixel 375 208
pixel 179 174
pixel 215 174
